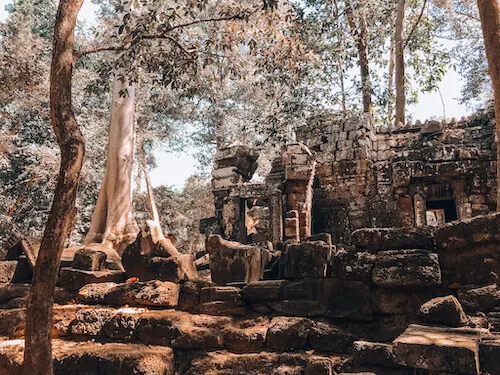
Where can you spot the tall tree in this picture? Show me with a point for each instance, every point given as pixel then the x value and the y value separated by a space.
pixel 489 12
pixel 38 346
pixel 359 31
pixel 400 63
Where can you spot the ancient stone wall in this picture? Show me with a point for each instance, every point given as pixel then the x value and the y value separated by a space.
pixel 420 174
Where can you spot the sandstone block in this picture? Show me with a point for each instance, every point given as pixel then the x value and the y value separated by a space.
pixel 74 279
pixel 377 239
pixel 307 259
pixel 246 336
pixel 326 337
pixel 374 354
pixel 288 333
pixel 447 350
pixel 353 265
pixel 89 260
pixel 489 354
pixel 468 233
pixel 443 311
pixel 484 299
pixel 189 297
pixel 233 262
pixel 406 268
pixel 262 291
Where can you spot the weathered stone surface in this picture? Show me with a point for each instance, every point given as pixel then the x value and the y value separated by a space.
pixel 233 262
pixel 223 308
pixel 75 358
pixel 246 336
pixel 7 270
pixel 288 333
pixel 90 322
pixel 122 325
pixel 14 295
pixel 221 293
pixel 489 353
pixel 374 354
pixel 263 363
pixel 243 158
pixel 319 366
pixel 189 297
pixel 74 279
pixel 353 265
pixel 182 330
pixel 95 293
pixel 443 311
pixel 262 291
pixel 326 337
pixel 483 299
pixel 325 237
pixel 151 293
pixel 89 260
pixel 307 259
pixel 346 299
pixel 174 269
pixel 406 268
pixel 439 349
pixel 469 233
pixel 377 239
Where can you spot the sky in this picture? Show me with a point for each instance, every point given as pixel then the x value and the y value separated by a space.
pixel 174 168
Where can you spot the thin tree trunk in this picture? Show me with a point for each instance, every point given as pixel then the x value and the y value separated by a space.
pixel 361 39
pixel 390 83
pixel 38 346
pixel 113 223
pixel 400 64
pixel 489 11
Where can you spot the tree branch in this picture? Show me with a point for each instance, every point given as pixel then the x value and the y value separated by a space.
pixel 119 47
pixel 416 25
pixel 114 47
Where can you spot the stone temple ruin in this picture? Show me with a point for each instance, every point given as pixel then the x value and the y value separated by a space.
pixel 363 252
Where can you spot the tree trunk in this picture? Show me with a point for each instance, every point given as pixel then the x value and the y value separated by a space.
pixel 400 64
pixel 113 223
pixel 390 83
pixel 361 38
pixel 489 11
pixel 38 346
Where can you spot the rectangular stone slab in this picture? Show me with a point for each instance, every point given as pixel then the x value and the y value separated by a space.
pixel 450 350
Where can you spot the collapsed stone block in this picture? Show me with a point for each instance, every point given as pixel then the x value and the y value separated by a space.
pixel 307 259
pixel 73 279
pixel 151 293
pixel 374 354
pixel 484 298
pixel 406 268
pixel 489 353
pixel 89 260
pixel 262 291
pixel 448 350
pixel 377 239
pixel 234 262
pixel 443 311
pixel 288 333
pixel 189 298
pixel 246 336
pixel 353 265
pixel 326 337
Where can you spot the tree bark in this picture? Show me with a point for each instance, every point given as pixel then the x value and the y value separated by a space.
pixel 400 64
pixel 38 346
pixel 361 38
pixel 489 12
pixel 113 223
pixel 390 83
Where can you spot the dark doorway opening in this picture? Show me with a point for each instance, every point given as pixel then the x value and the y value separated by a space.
pixel 447 205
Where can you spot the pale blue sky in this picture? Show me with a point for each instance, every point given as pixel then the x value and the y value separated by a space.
pixel 175 168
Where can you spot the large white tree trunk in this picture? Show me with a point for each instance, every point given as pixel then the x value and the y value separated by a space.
pixel 112 223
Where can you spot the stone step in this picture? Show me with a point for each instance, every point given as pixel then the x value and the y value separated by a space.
pixel 91 358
